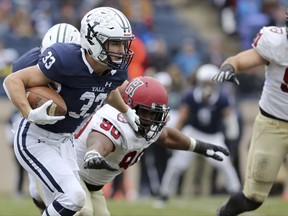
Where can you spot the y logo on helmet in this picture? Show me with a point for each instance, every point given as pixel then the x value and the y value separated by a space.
pixel 90 32
pixel 133 86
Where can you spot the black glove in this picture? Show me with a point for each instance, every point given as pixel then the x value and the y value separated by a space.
pixel 227 73
pixel 93 160
pixel 210 150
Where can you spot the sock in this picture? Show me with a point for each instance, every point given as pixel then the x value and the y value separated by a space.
pixel 237 204
pixel 56 209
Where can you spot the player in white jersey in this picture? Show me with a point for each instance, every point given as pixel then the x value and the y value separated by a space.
pixel 109 145
pixel 269 143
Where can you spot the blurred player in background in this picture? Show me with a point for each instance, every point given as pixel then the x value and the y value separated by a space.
pixel 109 145
pixel 203 111
pixel 269 143
pixel 85 76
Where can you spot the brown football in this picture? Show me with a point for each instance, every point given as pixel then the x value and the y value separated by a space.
pixel 38 95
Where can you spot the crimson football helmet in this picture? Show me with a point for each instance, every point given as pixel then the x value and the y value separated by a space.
pixel 100 27
pixel 149 98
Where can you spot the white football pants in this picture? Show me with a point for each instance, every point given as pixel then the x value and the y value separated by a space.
pixel 50 158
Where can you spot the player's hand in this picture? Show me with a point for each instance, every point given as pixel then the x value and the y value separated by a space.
pixel 227 73
pixel 132 118
pixel 40 116
pixel 93 160
pixel 210 150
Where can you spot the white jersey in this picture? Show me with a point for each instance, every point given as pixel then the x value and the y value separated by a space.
pixel 129 146
pixel 272 44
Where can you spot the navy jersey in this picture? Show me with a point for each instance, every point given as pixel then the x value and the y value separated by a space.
pixel 28 59
pixel 82 90
pixel 206 116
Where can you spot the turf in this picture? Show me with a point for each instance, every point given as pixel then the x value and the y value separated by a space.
pixel 197 206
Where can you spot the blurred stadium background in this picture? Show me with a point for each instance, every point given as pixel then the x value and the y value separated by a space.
pixel 214 29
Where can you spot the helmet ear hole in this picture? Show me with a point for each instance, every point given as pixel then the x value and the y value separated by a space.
pixel 130 102
pixel 90 51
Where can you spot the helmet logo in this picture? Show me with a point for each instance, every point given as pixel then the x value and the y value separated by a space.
pixel 90 30
pixel 133 86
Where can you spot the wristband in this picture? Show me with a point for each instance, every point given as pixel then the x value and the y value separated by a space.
pixel 192 144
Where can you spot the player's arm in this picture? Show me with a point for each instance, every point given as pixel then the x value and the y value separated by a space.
pixel 245 60
pixel 98 146
pixel 174 139
pixel 15 85
pixel 99 142
pixel 115 100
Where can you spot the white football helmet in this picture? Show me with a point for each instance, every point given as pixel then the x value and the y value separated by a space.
pixel 60 33
pixel 104 24
pixel 204 80
pixel 206 72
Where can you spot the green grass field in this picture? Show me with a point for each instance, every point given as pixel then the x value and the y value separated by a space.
pixel 197 206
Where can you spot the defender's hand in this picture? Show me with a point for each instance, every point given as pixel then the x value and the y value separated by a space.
pixel 39 115
pixel 227 73
pixel 93 160
pixel 132 118
pixel 210 150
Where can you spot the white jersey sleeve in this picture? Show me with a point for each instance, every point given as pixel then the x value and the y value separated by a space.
pixel 129 146
pixel 271 43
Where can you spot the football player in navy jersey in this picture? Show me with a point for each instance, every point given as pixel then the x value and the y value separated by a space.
pixel 202 111
pixel 59 33
pixel 85 76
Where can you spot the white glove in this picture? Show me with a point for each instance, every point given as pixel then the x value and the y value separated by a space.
pixel 39 115
pixel 132 118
